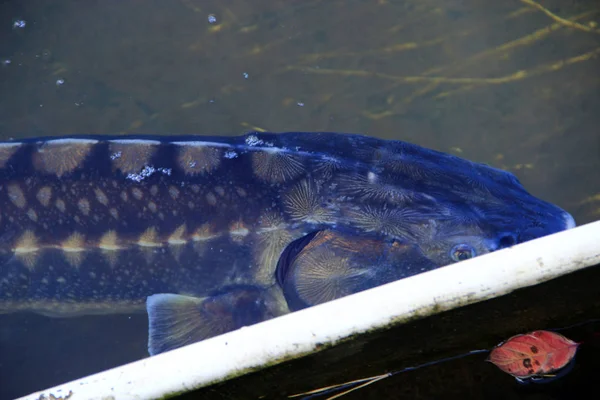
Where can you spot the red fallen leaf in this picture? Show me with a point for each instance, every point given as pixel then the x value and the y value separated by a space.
pixel 538 353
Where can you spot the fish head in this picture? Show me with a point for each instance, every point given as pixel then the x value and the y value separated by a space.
pixel 406 211
pixel 501 216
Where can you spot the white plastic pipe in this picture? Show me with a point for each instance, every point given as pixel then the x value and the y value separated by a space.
pixel 291 336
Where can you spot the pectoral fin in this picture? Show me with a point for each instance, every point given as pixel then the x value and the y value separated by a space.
pixel 177 320
pixel 330 264
pixel 174 321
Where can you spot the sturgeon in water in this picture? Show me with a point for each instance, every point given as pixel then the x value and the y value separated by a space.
pixel 208 234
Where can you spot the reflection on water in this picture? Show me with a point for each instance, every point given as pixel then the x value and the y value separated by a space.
pixel 505 83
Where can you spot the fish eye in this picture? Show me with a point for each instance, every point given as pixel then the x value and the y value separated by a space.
pixel 462 252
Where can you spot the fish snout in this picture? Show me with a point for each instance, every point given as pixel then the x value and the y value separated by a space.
pixel 563 222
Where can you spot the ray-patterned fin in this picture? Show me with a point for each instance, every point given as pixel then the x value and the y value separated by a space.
pixel 74 249
pixel 109 247
pixel 408 223
pixel 276 165
pixel 372 187
pixel 130 156
pixel 27 249
pixel 238 231
pixel 326 166
pixel 202 237
pixel 198 158
pixel 148 243
pixel 327 265
pixel 177 320
pixel 62 156
pixel 273 236
pixel 304 203
pixel 6 152
pixel 174 321
pixel 177 241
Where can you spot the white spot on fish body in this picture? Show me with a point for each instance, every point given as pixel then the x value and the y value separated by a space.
pixel 144 173
pixel 253 140
pixel 44 195
pixel 137 193
pixel 32 214
pixel 211 199
pixel 101 196
pixel 372 177
pixel 220 191
pixel 16 195
pixel 60 204
pixel 84 206
pixel 173 192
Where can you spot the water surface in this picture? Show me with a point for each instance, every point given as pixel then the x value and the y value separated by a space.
pixel 504 83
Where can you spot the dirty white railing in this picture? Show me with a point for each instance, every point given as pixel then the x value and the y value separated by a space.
pixel 297 334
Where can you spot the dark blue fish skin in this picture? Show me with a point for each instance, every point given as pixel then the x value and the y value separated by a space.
pixel 201 213
pixel 466 187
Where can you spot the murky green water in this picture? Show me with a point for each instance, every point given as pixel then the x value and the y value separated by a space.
pixel 498 82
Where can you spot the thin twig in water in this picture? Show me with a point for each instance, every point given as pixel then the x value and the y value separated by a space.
pixel 340 386
pixel 368 381
pixel 560 20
